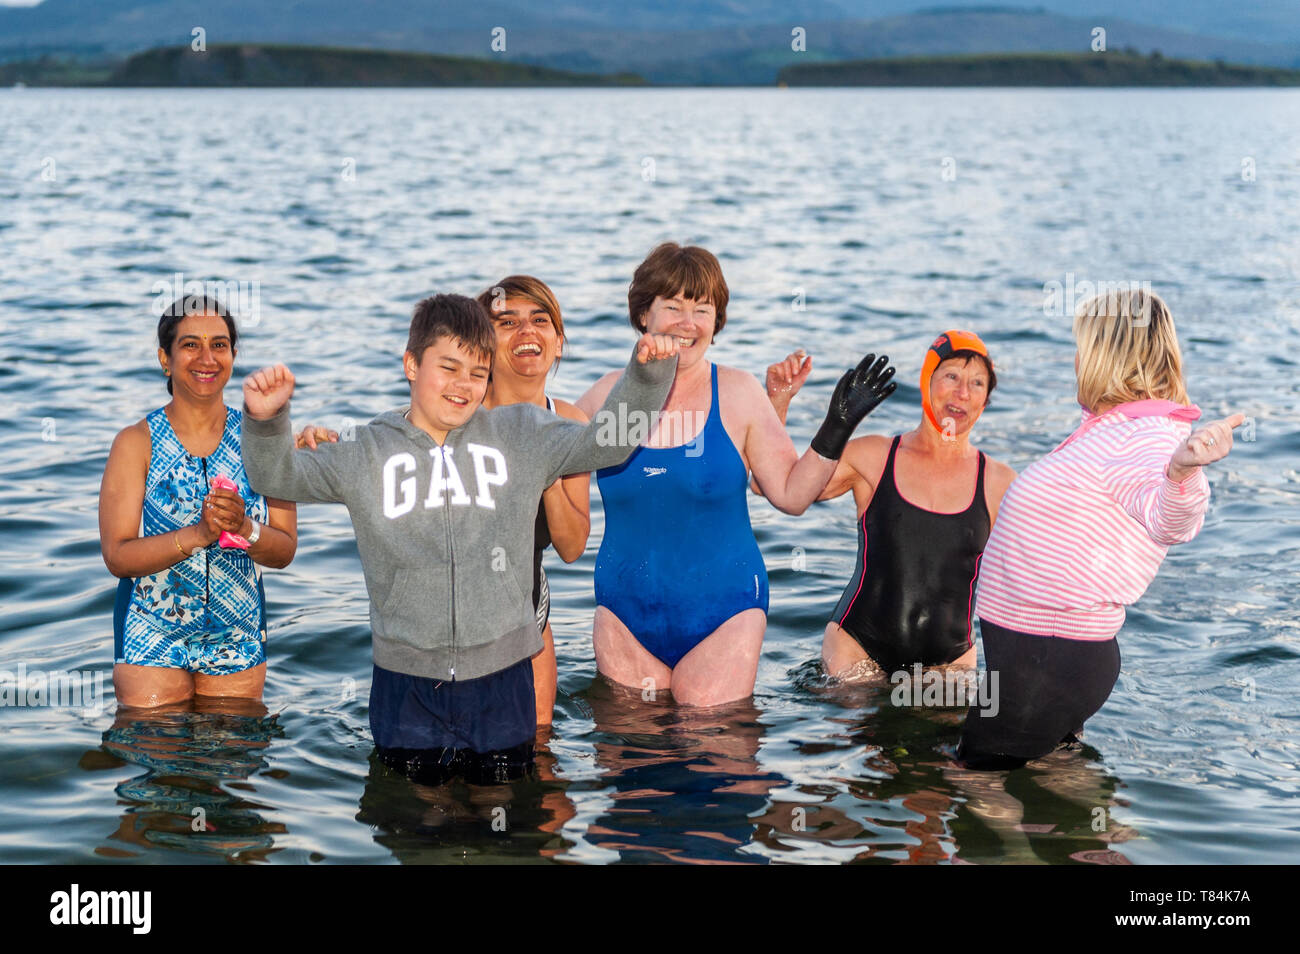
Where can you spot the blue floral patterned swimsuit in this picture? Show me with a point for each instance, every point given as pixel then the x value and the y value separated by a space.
pixel 206 613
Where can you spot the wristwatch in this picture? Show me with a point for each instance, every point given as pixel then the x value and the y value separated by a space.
pixel 257 532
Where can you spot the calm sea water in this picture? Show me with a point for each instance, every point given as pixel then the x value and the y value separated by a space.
pixel 890 215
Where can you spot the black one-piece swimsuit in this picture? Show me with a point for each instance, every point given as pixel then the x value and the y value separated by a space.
pixel 909 599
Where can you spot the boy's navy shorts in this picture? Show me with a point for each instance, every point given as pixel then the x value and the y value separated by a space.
pixel 432 729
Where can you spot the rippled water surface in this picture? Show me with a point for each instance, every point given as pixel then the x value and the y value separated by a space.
pixel 891 214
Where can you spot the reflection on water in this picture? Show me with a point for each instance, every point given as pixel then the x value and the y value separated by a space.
pixel 678 784
pixel 1057 810
pixel 193 755
pixel 461 823
pixel 670 784
pixel 893 794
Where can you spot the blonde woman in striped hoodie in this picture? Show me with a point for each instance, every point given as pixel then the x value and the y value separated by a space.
pixel 1082 532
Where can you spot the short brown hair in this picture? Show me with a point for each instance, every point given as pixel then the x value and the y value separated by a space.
pixel 671 270
pixel 453 316
pixel 530 289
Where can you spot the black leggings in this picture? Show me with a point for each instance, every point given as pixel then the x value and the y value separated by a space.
pixel 1047 687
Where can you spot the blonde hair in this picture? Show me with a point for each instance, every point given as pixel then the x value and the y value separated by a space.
pixel 1128 349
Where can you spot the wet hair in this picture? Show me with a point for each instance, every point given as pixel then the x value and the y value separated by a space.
pixel 529 289
pixel 451 316
pixel 184 307
pixel 672 270
pixel 967 354
pixel 1128 350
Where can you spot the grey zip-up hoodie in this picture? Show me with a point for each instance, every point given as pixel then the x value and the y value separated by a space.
pixel 445 532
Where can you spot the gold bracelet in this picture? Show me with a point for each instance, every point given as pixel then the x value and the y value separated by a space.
pixel 176 539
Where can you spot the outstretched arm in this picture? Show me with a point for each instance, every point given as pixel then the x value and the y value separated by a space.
pixel 1203 446
pixel 1169 494
pixel 789 481
pixel 792 485
pixel 784 380
pixel 274 468
pixel 640 391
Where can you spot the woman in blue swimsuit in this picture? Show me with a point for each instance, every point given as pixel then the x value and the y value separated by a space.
pixel 681 589
pixel 190 617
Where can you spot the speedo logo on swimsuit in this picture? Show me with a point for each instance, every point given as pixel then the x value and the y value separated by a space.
pixel 444 479
pixel 102 907
pixel 654 471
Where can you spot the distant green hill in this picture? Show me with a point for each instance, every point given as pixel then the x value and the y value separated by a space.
pixel 673 42
pixel 1035 69
pixel 252 64
pixel 57 71
pixel 266 65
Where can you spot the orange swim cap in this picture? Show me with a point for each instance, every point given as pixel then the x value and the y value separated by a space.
pixel 944 347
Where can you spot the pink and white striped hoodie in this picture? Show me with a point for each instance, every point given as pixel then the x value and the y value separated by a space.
pixel 1081 533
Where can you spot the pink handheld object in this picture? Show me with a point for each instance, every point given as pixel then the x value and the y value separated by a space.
pixel 227 539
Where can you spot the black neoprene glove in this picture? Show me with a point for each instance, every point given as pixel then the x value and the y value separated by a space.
pixel 856 396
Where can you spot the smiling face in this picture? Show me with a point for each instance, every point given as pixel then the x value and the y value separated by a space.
pixel 691 322
pixel 527 340
pixel 447 385
pixel 959 389
pixel 201 357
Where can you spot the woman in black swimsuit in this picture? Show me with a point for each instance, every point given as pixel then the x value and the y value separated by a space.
pixel 530 340
pixel 926 501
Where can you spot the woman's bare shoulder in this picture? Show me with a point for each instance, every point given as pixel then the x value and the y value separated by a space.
pixel 134 438
pixel 128 458
pixel 869 446
pixel 866 454
pixel 595 395
pixel 999 471
pixel 738 385
pixel 999 475
pixel 569 411
pixel 604 384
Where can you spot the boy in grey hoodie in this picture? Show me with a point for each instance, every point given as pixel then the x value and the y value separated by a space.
pixel 443 497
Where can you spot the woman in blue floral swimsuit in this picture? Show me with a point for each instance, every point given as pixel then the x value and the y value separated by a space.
pixel 190 617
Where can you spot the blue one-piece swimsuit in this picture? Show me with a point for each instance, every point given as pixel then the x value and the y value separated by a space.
pixel 678 558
